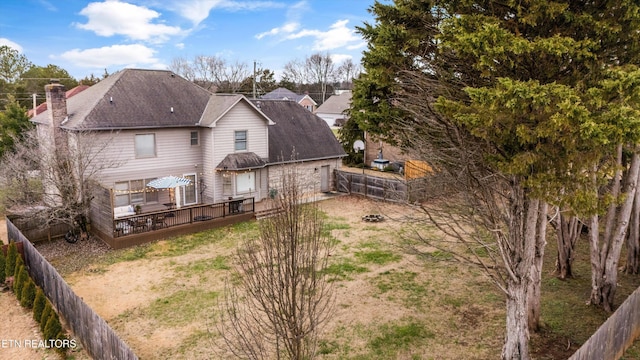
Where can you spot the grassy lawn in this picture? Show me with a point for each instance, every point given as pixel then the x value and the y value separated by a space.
pixel 162 297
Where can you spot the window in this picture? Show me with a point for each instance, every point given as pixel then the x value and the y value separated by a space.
pixel 145 145
pixel 134 192
pixel 122 193
pixel 226 184
pixel 137 191
pixel 150 194
pixel 241 140
pixel 194 138
pixel 245 182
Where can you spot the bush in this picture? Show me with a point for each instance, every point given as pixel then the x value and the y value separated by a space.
pixel 38 305
pixel 12 254
pixel 53 328
pixel 28 294
pixel 18 263
pixel 3 264
pixel 46 313
pixel 20 278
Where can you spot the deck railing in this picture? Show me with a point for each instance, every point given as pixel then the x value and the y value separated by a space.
pixel 157 220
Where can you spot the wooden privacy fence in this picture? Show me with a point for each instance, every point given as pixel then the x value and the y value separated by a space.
pixel 97 337
pixel 371 186
pixel 616 334
pixel 380 188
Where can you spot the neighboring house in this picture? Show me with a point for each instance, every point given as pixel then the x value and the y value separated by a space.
pixel 332 111
pixel 160 124
pixel 285 94
pixel 69 93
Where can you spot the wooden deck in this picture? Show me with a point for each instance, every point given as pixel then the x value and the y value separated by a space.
pixel 150 226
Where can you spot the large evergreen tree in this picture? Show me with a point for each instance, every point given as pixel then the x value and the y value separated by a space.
pixel 14 122
pixel 505 99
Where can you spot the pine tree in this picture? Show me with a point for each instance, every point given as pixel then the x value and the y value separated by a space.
pixel 53 327
pixel 28 294
pixel 20 280
pixel 46 313
pixel 12 254
pixel 3 264
pixel 39 304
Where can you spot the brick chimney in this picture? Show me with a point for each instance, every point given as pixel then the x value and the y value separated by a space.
pixel 57 106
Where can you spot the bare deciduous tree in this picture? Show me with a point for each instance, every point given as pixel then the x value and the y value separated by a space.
pixel 346 72
pixel 321 70
pixel 295 72
pixel 56 183
pixel 212 73
pixel 281 297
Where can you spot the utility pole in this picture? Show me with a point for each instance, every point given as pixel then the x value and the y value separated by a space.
pixel 254 79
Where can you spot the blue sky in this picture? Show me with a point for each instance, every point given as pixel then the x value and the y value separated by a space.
pixel 87 37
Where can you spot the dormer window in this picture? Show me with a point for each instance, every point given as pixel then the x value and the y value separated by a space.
pixel 241 140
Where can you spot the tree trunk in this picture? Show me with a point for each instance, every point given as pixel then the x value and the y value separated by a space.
pixel 533 293
pixel 633 239
pixel 568 230
pixel 605 269
pixel 519 259
pixel 516 344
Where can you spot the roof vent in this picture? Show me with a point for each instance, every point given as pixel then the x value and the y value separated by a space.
pixel 172 109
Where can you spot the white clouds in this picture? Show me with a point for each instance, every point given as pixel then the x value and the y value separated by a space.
pixel 11 44
pixel 198 10
pixel 340 58
pixel 118 18
pixel 47 5
pixel 338 35
pixel 116 55
pixel 285 29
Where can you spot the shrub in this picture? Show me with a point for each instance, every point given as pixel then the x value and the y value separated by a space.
pixel 38 304
pixel 18 263
pixel 20 278
pixel 12 254
pixel 28 294
pixel 53 327
pixel 46 313
pixel 3 264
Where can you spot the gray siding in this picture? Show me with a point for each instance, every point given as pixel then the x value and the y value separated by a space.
pixel 240 117
pixel 209 167
pixel 174 155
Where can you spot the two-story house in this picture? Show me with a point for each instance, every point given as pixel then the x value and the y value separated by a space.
pixel 157 123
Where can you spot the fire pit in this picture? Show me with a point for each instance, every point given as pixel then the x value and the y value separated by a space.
pixel 373 218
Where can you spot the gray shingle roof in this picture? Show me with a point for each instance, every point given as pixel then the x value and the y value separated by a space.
pixel 285 94
pixel 298 130
pixel 336 104
pixel 219 104
pixel 241 161
pixel 135 98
